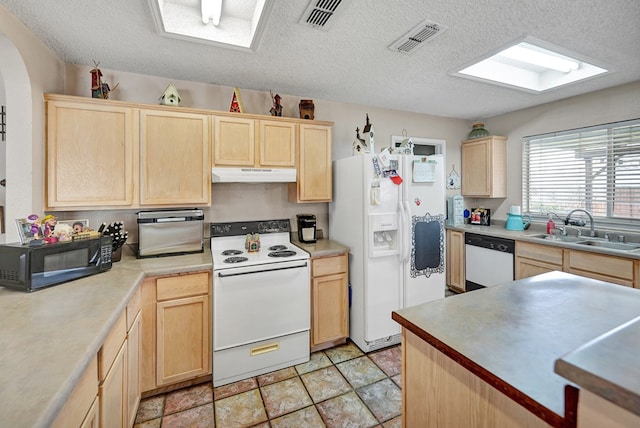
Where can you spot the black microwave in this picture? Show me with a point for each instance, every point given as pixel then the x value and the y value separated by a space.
pixel 29 268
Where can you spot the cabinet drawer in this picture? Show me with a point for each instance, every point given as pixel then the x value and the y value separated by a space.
pixel 604 265
pixel 173 287
pixel 329 265
pixel 133 308
pixel 543 253
pixel 111 346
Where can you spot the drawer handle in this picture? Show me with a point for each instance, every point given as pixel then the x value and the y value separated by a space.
pixel 264 349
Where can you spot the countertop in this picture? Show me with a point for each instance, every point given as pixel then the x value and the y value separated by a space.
pixel 323 248
pixel 530 235
pixel 48 337
pixel 513 334
pixel 608 366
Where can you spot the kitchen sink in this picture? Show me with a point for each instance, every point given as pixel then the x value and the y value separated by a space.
pixel 562 238
pixel 611 245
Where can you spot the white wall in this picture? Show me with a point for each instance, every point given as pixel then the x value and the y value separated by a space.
pixel 609 105
pixel 28 69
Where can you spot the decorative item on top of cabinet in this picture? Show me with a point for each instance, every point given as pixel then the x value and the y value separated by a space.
pixel 99 88
pixel 306 109
pixel 314 165
pixel 478 131
pixel 484 167
pixel 329 301
pixel 276 108
pixel 236 102
pixel 170 96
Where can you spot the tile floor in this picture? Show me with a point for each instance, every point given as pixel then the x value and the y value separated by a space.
pixel 338 387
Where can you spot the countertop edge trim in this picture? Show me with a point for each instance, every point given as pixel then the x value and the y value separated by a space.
pixel 515 394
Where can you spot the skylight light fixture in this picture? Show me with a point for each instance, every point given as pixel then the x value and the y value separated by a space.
pixel 527 53
pixel 237 24
pixel 211 11
pixel 531 65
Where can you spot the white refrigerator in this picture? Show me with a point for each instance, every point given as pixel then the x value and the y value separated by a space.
pixel 396 236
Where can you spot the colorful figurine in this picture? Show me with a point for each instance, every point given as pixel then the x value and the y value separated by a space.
pixel 99 89
pixel 276 110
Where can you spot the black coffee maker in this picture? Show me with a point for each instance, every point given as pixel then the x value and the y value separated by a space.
pixel 306 228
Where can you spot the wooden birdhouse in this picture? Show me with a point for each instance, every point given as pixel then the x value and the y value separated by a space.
pixel 170 96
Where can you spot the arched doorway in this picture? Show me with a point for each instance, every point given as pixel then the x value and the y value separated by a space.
pixel 18 145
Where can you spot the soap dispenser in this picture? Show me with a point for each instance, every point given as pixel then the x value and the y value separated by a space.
pixel 551 226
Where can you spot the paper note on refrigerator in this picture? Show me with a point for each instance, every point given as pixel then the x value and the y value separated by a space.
pixel 424 171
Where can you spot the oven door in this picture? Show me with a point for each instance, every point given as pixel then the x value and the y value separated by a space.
pixel 260 302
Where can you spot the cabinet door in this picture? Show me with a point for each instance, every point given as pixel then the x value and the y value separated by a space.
pixel 133 370
pixel 174 158
pixel 277 144
pixel 455 260
pixel 90 152
pixel 234 141
pixel 112 392
pixel 314 165
pixel 528 267
pixel 182 339
pixel 81 404
pixel 330 308
pixel 476 163
pixel 484 167
pixel 617 270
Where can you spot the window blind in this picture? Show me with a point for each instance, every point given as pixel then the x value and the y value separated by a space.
pixel 595 168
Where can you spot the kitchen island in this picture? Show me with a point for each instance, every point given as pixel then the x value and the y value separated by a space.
pixel 50 336
pixel 487 358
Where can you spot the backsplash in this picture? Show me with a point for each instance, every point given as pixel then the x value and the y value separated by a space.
pixel 230 202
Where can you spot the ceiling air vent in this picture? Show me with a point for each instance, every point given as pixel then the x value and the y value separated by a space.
pixel 418 35
pixel 319 13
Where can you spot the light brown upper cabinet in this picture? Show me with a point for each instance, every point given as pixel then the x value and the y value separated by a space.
pixel 314 165
pixel 484 167
pixel 105 154
pixel 233 141
pixel 90 153
pixel 174 158
pixel 240 141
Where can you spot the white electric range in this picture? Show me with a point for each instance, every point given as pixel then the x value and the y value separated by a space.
pixel 261 299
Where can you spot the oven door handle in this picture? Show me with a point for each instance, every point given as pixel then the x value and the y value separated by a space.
pixel 223 274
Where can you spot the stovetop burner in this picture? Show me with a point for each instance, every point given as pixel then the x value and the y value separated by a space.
pixel 286 253
pixel 231 252
pixel 235 259
pixel 277 247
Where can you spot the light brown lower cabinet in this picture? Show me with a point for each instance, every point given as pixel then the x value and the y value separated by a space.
pixel 533 259
pixel 81 408
pixel 134 344
pixel 112 376
pixel 329 301
pixel 439 392
pixel 176 329
pixel 455 260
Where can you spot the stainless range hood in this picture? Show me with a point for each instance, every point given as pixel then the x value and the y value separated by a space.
pixel 253 175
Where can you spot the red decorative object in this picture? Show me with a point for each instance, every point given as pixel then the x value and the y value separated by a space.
pixel 236 102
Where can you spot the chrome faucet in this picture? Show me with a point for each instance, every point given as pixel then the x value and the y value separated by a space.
pixel 592 231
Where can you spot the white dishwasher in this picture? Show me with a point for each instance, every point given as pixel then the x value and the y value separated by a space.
pixel 488 261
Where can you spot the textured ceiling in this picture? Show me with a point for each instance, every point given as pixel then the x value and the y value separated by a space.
pixel 350 62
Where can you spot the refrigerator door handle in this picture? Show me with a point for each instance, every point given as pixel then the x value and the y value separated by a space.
pixel 403 237
pixel 408 235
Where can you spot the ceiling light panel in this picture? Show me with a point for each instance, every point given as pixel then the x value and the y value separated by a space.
pixel 531 65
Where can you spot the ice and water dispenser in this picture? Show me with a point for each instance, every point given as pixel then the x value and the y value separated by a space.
pixel 383 235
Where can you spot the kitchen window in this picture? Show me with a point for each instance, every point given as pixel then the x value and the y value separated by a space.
pixel 595 168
